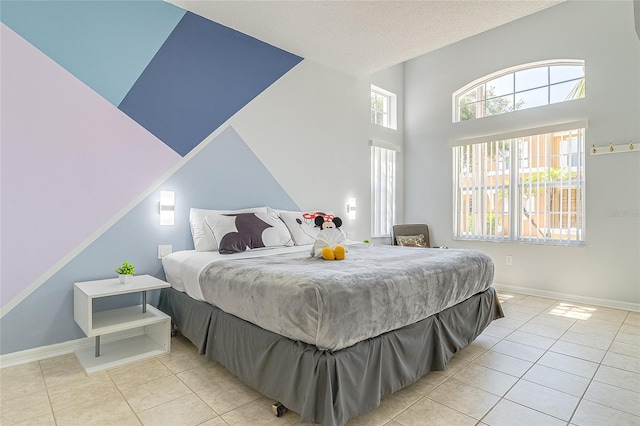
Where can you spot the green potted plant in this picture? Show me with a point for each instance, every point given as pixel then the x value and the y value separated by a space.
pixel 125 272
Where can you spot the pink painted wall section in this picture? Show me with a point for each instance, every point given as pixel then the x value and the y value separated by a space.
pixel 70 161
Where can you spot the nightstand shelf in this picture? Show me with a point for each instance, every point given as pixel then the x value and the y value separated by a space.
pixel 124 319
pixel 148 330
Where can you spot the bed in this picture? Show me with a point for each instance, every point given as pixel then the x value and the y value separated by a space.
pixel 328 339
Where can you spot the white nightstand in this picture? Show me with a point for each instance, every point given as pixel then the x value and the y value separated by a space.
pixel 147 328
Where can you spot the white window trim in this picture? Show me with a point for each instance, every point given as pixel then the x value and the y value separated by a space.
pixel 393 106
pixel 377 199
pixel 385 145
pixel 513 238
pixel 521 132
pixel 555 62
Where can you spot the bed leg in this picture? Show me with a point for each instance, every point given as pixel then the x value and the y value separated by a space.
pixel 174 329
pixel 278 409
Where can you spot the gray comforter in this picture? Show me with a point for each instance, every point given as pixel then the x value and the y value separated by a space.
pixel 335 304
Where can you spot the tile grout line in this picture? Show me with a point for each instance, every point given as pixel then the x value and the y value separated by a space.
pixel 581 398
pixel 204 402
pixel 520 378
pixel 596 372
pixel 123 397
pixel 427 394
pixel 446 380
pixel 192 391
pixel 536 363
pixel 46 387
pixel 475 387
pixel 501 398
pixel 196 393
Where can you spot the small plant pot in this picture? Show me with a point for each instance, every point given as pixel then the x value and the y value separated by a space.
pixel 125 278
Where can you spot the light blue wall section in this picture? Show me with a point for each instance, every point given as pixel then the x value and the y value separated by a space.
pixel 226 174
pixel 106 44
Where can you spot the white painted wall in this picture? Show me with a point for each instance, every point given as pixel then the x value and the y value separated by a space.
pixel 636 11
pixel 311 129
pixel 607 270
pixel 391 79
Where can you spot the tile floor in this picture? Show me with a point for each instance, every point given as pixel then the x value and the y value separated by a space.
pixel 547 363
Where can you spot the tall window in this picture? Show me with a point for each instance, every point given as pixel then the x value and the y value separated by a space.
pixel 383 188
pixel 383 107
pixel 525 86
pixel 528 188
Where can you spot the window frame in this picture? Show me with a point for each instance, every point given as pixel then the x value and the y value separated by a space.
pixel 515 185
pixel 383 206
pixel 479 86
pixel 390 120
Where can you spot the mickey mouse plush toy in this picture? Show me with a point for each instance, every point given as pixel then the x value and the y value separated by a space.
pixel 330 240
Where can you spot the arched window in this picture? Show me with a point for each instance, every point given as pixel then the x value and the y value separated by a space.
pixel 525 86
pixel 523 184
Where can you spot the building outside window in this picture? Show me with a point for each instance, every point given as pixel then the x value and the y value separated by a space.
pixel 537 198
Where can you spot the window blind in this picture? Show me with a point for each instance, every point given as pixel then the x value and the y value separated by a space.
pixel 527 188
pixel 383 188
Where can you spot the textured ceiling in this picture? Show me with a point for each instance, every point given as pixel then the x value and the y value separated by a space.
pixel 361 37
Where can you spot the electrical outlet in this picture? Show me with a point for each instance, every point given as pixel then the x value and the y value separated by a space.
pixel 164 250
pixel 351 235
pixel 509 260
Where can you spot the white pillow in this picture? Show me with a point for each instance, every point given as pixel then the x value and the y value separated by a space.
pixel 238 232
pixel 279 212
pixel 203 239
pixel 302 226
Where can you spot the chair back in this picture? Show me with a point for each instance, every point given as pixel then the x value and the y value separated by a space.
pixel 410 229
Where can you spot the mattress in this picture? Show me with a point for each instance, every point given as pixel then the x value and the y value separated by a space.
pixel 334 305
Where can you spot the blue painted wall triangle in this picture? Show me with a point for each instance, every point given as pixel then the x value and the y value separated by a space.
pixel 203 74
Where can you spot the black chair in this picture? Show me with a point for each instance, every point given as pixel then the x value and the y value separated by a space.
pixel 410 230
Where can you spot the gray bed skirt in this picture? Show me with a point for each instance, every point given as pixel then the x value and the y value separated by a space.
pixel 330 387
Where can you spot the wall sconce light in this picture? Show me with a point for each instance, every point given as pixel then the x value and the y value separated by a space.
pixel 167 207
pixel 351 208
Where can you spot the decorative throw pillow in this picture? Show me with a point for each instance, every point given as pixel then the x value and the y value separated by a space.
pixel 241 231
pixel 302 226
pixel 203 239
pixel 411 240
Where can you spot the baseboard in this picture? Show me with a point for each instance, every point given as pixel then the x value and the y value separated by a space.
pixel 49 351
pixel 627 306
